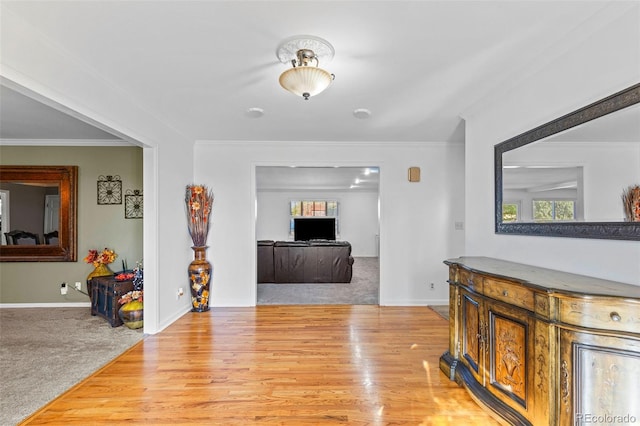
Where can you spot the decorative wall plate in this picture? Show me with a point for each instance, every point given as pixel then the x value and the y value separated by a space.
pixel 109 189
pixel 133 204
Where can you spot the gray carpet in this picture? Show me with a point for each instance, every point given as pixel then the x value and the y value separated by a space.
pixel 362 290
pixel 442 310
pixel 44 352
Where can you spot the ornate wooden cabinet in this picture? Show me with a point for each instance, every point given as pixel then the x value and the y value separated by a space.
pixel 542 347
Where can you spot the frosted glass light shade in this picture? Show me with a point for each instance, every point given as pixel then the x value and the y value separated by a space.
pixel 305 81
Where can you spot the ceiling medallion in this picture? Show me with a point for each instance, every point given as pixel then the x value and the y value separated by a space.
pixel 304 53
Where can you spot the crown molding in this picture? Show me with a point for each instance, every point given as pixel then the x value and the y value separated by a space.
pixel 332 144
pixel 64 142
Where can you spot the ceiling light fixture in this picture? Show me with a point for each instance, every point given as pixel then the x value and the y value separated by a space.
pixel 305 78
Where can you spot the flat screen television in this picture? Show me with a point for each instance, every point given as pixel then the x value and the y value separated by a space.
pixel 314 228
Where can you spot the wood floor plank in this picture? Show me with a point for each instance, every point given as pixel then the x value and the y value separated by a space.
pixel 291 365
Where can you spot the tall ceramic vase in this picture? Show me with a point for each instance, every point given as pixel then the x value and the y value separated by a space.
pixel 200 271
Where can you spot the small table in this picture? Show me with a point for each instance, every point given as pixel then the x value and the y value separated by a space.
pixel 105 293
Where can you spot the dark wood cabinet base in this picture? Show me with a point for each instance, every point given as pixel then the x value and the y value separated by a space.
pixel 459 373
pixel 536 346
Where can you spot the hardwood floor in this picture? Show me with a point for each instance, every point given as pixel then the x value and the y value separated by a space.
pixel 290 365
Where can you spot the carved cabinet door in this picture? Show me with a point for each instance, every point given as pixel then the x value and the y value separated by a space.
pixel 599 379
pixel 509 375
pixel 472 333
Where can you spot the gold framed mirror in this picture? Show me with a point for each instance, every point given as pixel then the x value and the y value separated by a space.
pixel 39 203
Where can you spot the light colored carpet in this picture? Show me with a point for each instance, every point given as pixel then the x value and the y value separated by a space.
pixel 44 352
pixel 362 290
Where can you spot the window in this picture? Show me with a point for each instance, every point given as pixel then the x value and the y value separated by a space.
pixel 4 215
pixel 312 209
pixel 510 212
pixel 554 210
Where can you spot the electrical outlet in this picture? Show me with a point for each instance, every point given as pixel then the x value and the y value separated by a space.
pixel 432 286
pixel 63 289
pixel 78 285
pixel 180 293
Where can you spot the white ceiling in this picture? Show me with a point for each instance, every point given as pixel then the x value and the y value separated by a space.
pixel 200 65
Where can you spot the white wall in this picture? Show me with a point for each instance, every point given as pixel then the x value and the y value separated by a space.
pixel 416 219
pixel 357 210
pixel 34 63
pixel 607 168
pixel 575 74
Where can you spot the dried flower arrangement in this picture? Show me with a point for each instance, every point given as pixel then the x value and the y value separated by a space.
pixel 631 203
pixel 131 296
pixel 104 257
pixel 199 201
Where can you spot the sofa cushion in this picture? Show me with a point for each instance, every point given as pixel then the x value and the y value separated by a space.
pixel 266 272
pixel 288 260
pixel 316 261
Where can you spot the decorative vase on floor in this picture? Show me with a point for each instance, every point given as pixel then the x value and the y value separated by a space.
pixel 198 201
pixel 102 270
pixel 200 271
pixel 132 314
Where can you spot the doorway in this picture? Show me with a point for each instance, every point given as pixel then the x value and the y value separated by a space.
pixel 350 194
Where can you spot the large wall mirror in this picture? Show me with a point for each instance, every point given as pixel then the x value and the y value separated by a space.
pixel 566 178
pixel 38 213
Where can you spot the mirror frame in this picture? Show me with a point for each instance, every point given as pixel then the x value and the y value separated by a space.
pixel 596 230
pixel 67 179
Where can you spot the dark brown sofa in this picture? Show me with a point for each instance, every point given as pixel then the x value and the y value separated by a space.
pixel 319 261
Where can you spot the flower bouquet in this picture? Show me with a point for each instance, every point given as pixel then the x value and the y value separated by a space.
pixel 104 257
pixel 198 200
pixel 131 296
pixel 100 260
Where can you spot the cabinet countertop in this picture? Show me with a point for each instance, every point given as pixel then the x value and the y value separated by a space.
pixel 546 280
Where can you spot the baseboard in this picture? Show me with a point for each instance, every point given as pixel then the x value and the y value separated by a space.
pixel 46 305
pixel 423 302
pixel 170 320
pixel 437 302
